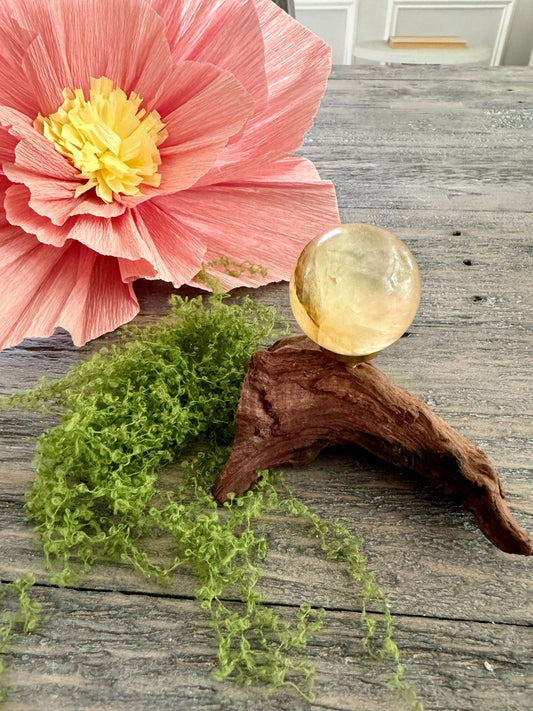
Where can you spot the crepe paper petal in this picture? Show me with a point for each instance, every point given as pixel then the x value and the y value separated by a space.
pixel 287 170
pixel 4 185
pixel 50 177
pixel 17 206
pixel 37 164
pixel 180 250
pixel 201 103
pixel 22 209
pixel 138 269
pixel 274 216
pixel 151 241
pixel 116 237
pixel 45 195
pixel 8 144
pixel 14 90
pixel 76 39
pixel 53 199
pixel 73 287
pixel 34 147
pixel 51 196
pixel 197 132
pixel 208 31
pixel 297 65
pixel 88 204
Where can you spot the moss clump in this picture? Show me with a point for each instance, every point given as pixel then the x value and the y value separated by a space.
pixel 168 395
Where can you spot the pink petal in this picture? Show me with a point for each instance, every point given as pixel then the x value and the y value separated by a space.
pixel 297 66
pixel 45 196
pixel 211 106
pixel 18 204
pixel 144 234
pixel 267 220
pixel 180 250
pixel 46 287
pixel 35 147
pixel 54 199
pixel 14 90
pixel 50 177
pixel 37 164
pixel 198 100
pixel 18 212
pixel 79 39
pixel 286 170
pixel 139 269
pixel 116 237
pixel 7 146
pixel 148 241
pixel 90 204
pixel 225 33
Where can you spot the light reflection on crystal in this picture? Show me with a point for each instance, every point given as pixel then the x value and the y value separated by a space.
pixel 355 289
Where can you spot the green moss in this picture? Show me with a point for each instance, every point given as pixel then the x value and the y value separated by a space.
pixel 168 395
pixel 24 617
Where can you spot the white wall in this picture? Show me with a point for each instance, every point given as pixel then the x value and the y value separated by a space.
pixel 520 39
pixel 335 21
pixel 370 25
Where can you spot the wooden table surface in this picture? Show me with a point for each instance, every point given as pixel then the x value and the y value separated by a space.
pixel 443 157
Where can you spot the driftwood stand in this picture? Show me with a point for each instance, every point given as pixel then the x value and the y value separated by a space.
pixel 296 400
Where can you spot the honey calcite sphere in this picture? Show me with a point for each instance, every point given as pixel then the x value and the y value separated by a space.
pixel 355 289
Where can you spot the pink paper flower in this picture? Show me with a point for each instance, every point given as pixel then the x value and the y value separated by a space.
pixel 141 138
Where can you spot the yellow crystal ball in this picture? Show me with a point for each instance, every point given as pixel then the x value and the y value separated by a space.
pixel 355 289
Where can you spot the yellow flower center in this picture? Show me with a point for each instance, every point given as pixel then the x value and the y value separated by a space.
pixel 108 138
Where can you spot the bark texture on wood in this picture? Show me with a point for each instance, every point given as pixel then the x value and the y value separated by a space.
pixel 296 400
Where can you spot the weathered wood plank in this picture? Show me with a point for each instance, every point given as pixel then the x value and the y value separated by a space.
pixel 503 77
pixel 117 652
pixel 426 552
pixel 401 142
pixel 350 130
pixel 454 367
pixel 409 178
pixel 421 106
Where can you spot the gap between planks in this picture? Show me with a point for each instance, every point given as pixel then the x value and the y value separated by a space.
pixel 271 604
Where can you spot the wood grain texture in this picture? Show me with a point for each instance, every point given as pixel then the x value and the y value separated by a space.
pixel 426 153
pixel 116 652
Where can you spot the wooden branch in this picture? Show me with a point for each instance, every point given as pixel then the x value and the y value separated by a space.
pixel 296 400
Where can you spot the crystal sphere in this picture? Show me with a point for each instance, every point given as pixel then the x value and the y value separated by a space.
pixel 355 289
